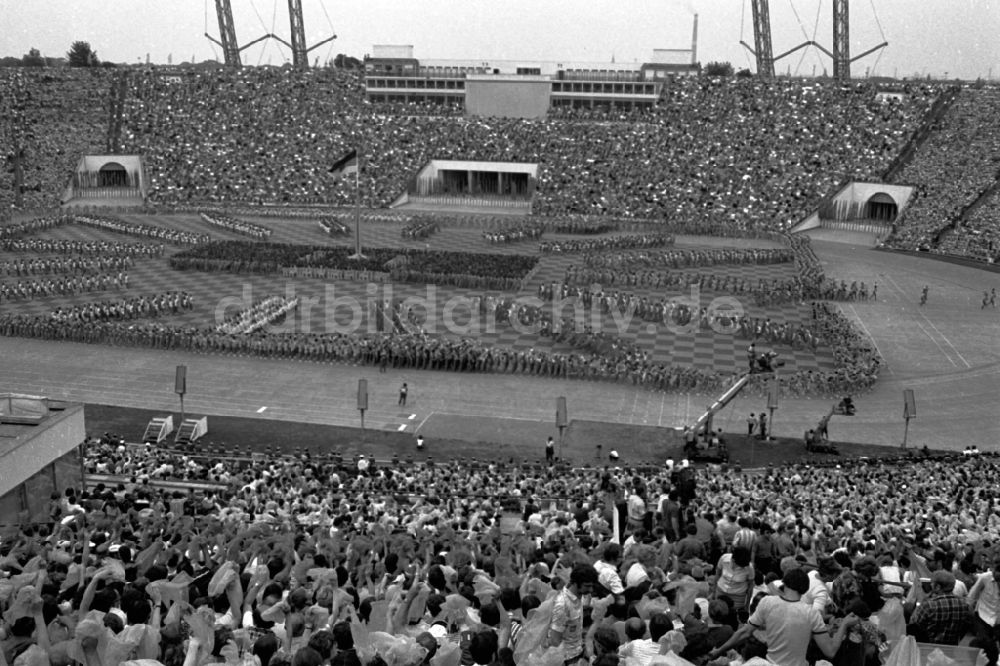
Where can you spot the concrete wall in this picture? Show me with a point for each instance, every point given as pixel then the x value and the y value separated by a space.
pixel 810 222
pixel 502 97
pixel 34 447
pixel 432 168
pixel 29 500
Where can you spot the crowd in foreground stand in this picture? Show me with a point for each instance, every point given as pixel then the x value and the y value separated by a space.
pixel 306 562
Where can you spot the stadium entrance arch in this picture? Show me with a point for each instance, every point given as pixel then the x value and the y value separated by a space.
pixel 111 180
pixel 489 187
pixel 881 207
pixel 112 174
pixel 862 207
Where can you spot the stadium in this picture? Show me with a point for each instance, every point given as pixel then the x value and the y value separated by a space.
pixel 497 361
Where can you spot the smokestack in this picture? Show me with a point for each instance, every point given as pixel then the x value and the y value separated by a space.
pixel 694 42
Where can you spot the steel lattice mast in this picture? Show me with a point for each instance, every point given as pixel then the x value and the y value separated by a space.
pixel 841 39
pixel 300 52
pixel 227 35
pixel 762 38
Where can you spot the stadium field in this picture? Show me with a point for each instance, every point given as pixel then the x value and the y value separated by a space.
pixel 946 351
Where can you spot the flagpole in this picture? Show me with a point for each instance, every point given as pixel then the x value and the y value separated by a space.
pixel 357 210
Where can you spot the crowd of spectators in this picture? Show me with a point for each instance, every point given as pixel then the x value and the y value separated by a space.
pixel 56 116
pixel 951 168
pixel 694 157
pixel 309 561
pixel 732 151
pixel 978 234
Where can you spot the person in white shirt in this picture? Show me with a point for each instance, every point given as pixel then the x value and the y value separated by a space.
pixel 607 571
pixel 640 651
pixel 818 595
pixel 984 600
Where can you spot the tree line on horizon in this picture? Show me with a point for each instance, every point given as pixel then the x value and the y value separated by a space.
pixel 82 54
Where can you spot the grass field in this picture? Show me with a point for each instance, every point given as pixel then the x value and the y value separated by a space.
pixel 329 305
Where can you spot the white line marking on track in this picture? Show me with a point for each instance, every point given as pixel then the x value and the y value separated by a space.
pixel 947 341
pixel 261 410
pixel 411 417
pixel 421 424
pixel 401 428
pixel 938 344
pixel 871 337
pixel 936 329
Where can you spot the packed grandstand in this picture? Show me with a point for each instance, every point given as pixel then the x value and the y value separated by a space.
pixel 183 558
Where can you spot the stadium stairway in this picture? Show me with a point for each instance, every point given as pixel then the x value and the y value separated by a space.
pixel 926 128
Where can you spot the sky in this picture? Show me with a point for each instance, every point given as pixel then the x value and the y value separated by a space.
pixel 954 38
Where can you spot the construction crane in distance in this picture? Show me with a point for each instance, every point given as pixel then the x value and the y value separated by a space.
pixel 300 52
pixel 227 34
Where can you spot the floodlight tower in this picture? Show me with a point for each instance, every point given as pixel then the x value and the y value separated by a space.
pixel 841 54
pixel 300 52
pixel 762 38
pixel 227 34
pixel 841 39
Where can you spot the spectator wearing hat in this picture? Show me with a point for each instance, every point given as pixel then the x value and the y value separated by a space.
pixel 942 617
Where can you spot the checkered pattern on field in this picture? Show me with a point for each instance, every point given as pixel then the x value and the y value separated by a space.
pixel 329 306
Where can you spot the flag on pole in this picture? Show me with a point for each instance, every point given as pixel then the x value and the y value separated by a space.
pixel 346 165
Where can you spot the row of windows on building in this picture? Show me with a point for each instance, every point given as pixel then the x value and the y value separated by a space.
pixel 410 69
pixel 557 86
pixel 556 102
pixel 604 88
pixel 416 84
